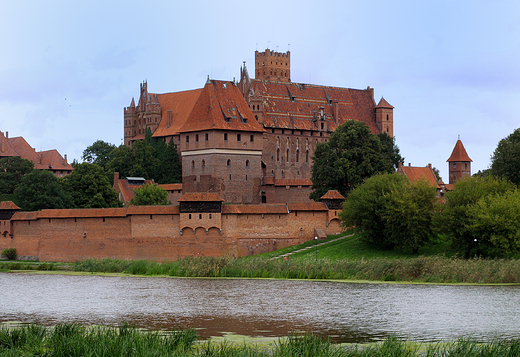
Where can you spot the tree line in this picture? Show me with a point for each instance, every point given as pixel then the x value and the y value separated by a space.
pixel 90 183
pixel 480 217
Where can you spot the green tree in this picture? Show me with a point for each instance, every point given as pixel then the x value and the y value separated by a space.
pixel 12 169
pixel 391 212
pixel 408 215
pixel 98 153
pixel 40 189
pixel 351 155
pixel 170 169
pixel 495 220
pixel 390 150
pixel 505 161
pixel 453 218
pixel 121 161
pixel 89 187
pixel 150 194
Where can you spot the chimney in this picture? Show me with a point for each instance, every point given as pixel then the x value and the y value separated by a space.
pixel 116 177
pixel 409 164
pixel 7 135
pixel 3 144
pixel 66 159
pixel 430 166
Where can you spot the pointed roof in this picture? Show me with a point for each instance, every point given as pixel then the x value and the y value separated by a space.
pixel 221 106
pixel 6 147
pixel 384 104
pixel 459 153
pixel 332 195
pixel 8 205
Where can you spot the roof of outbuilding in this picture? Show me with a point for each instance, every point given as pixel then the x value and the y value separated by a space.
pixel 414 173
pixel 332 195
pixel 8 205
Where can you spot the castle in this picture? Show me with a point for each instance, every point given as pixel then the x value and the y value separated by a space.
pixel 252 142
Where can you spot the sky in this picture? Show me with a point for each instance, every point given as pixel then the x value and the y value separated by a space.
pixel 450 68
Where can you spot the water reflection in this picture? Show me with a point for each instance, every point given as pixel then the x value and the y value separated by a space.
pixel 345 312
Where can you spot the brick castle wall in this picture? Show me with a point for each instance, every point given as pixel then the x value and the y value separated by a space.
pixel 159 237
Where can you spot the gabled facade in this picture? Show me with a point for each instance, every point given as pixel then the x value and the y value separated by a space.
pixel 253 141
pixel 49 160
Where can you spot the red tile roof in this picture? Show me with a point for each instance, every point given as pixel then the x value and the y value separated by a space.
pixel 255 209
pixel 8 205
pixel 459 153
pixel 414 174
pixel 296 105
pixel 82 213
pixel 25 216
pixel 384 104
pixel 122 186
pixel 6 147
pixel 171 186
pixel 332 195
pixel 160 209
pixel 181 104
pixel 43 160
pixel 221 106
pixel 197 196
pixel 307 206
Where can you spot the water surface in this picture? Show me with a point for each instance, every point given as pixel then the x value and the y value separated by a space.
pixel 346 312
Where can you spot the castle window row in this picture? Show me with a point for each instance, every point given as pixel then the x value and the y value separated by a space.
pixel 206 137
pixel 228 163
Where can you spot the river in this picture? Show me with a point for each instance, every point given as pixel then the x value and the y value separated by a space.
pixel 346 312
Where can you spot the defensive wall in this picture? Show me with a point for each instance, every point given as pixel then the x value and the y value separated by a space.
pixel 165 233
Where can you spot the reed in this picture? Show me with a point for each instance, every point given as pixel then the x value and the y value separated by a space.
pixel 433 269
pixel 75 340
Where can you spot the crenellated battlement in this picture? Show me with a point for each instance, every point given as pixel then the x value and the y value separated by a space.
pixel 275 66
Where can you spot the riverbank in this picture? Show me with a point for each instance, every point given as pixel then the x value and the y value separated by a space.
pixel 76 340
pixel 344 259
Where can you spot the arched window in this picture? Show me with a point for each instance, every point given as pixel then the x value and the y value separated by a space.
pixel 187 138
pixel 207 136
pixel 203 163
pixel 287 154
pixel 192 163
pixel 387 117
pixel 306 155
pixel 229 162
pixel 277 154
pixel 298 155
pixel 239 137
pixel 225 136
pixel 196 138
pixel 247 163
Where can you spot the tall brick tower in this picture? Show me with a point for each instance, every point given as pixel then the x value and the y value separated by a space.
pixel 459 163
pixel 273 66
pixel 385 117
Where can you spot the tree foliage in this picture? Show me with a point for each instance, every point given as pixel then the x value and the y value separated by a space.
pixel 150 158
pixel 89 187
pixel 351 155
pixel 495 220
pixel 505 161
pixel 150 194
pixel 99 153
pixel 455 218
pixel 12 169
pixel 391 212
pixel 40 189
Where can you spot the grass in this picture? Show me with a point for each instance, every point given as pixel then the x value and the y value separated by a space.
pixel 75 340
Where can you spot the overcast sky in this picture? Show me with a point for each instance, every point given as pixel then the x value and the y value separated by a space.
pixel 67 68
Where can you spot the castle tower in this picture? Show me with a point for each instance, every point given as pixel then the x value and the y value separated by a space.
pixel 385 117
pixel 459 163
pixel 273 66
pixel 130 117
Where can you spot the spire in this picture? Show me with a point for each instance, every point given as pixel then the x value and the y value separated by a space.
pixel 132 104
pixel 459 153
pixel 384 104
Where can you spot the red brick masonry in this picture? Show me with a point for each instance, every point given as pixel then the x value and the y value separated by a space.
pixel 162 233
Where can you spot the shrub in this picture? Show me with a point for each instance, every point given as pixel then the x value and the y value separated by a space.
pixel 9 253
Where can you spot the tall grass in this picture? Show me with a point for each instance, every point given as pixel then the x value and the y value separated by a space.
pixel 434 269
pixel 74 340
